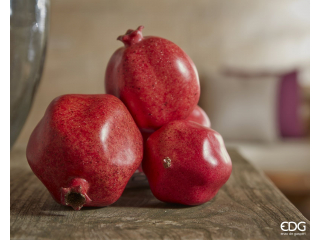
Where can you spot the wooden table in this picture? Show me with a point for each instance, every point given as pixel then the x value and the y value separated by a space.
pixel 249 206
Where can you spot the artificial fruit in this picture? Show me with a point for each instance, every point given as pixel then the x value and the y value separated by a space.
pixel 85 149
pixel 198 115
pixel 186 163
pixel 156 79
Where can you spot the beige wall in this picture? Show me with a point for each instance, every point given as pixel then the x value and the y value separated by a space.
pixel 247 34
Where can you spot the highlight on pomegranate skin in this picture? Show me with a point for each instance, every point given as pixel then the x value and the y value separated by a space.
pixel 156 79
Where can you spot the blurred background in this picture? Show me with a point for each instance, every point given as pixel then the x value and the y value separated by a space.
pixel 252 58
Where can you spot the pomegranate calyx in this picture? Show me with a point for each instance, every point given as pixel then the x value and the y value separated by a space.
pixel 76 194
pixel 131 36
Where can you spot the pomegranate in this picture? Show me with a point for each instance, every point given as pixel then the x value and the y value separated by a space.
pixel 198 115
pixel 155 79
pixel 85 149
pixel 186 163
pixel 145 136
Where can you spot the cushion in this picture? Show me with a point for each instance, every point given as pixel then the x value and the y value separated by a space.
pixel 242 109
pixel 290 119
pixel 290 122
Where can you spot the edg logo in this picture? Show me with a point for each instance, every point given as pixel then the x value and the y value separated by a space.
pixel 292 226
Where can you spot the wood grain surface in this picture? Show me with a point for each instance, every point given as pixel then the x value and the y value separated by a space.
pixel 249 206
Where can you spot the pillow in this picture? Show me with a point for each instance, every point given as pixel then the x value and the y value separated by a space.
pixel 242 109
pixel 290 122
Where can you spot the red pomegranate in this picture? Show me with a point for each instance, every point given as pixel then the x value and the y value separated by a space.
pixel 85 149
pixel 156 79
pixel 186 163
pixel 198 115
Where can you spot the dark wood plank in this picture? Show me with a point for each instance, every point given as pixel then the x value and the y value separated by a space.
pixel 249 206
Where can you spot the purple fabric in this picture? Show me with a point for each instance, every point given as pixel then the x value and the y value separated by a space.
pixel 290 123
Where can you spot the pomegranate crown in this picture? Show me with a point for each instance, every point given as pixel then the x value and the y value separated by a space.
pixel 131 36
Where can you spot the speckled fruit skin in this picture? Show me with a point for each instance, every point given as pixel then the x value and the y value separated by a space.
pixel 145 136
pixel 186 163
pixel 198 115
pixel 85 144
pixel 155 79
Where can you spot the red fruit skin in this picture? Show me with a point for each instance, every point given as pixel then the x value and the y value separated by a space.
pixel 198 115
pixel 155 79
pixel 86 144
pixel 145 136
pixel 200 164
